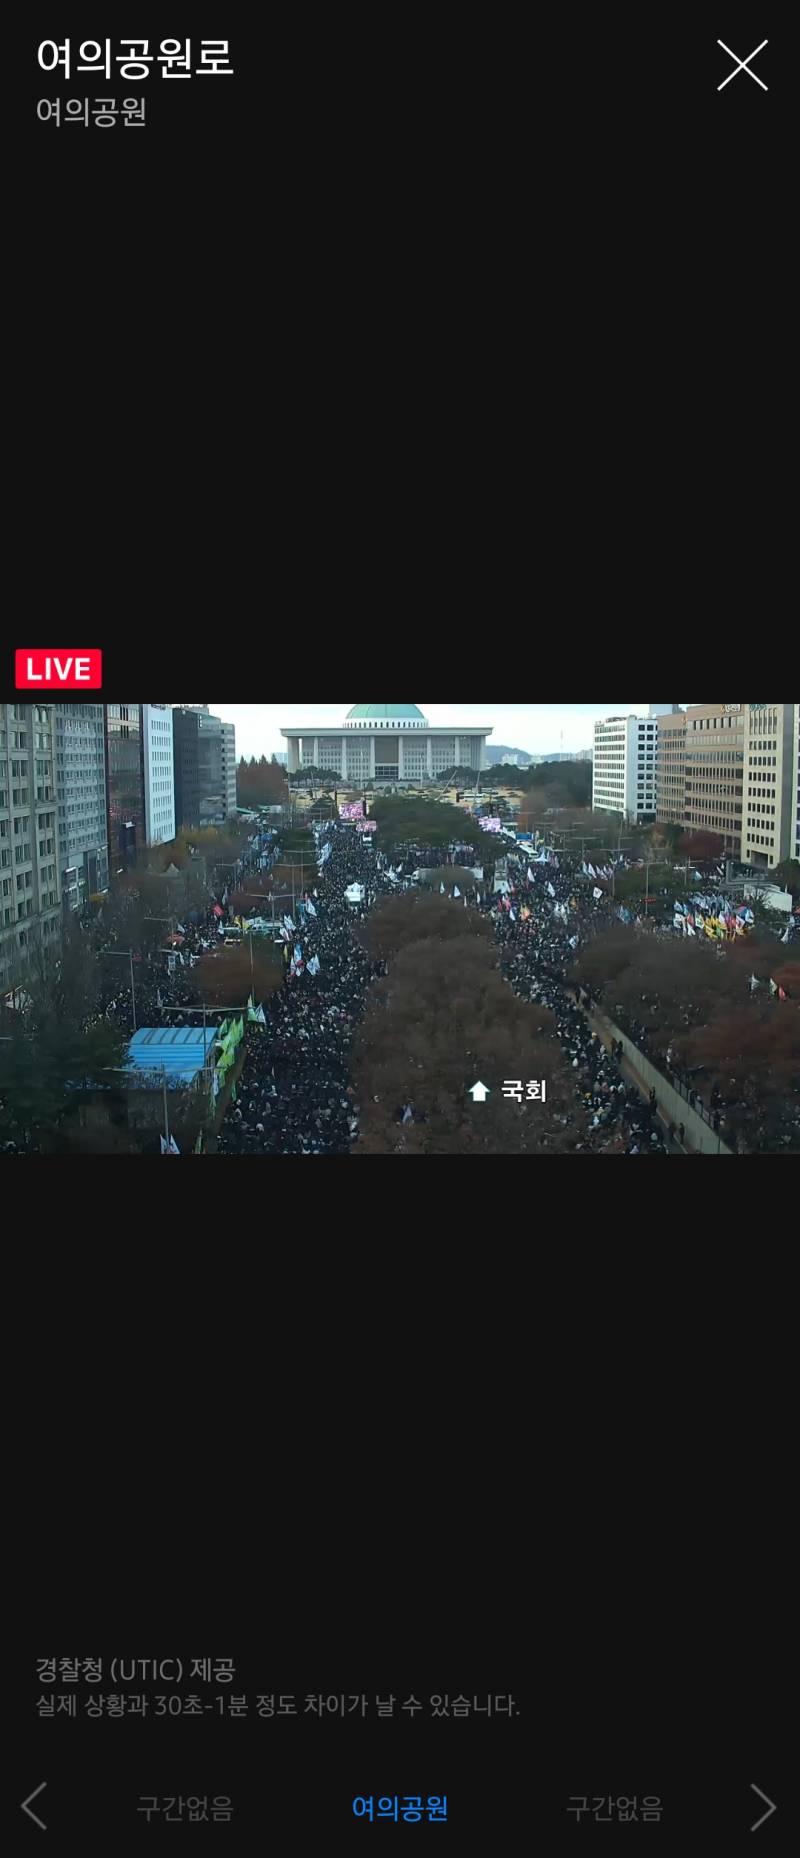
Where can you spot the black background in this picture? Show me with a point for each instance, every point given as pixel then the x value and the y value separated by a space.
pixel 308 300
pixel 538 1443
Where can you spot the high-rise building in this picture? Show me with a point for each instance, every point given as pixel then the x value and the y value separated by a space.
pixel 390 744
pixel 796 852
pixel 624 778
pixel 127 834
pixel 80 769
pixel 199 790
pixel 30 900
pixel 671 769
pixel 770 786
pixel 731 769
pixel 159 773
pixel 229 768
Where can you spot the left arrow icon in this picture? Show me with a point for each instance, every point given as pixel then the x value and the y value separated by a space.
pixel 26 1805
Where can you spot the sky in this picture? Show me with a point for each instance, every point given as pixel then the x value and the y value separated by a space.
pixel 536 727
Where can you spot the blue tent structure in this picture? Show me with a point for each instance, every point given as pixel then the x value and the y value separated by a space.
pixel 173 1055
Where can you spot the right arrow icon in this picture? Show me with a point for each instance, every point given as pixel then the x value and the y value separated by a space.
pixel 771 1807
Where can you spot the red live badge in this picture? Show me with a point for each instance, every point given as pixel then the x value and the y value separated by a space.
pixel 54 668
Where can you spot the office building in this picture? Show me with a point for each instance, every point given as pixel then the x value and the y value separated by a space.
pixel 197 747
pixel 665 709
pixel 159 773
pixel 671 769
pixel 624 779
pixel 80 779
pixel 127 834
pixel 770 784
pixel 389 744
pixel 796 851
pixel 229 768
pixel 30 898
pixel 731 769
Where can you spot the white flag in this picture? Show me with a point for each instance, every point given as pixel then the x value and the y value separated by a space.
pixel 456 892
pixel 785 938
pixel 530 875
pixel 173 1146
pixel 220 930
pixel 311 910
pixel 551 890
pixel 164 1147
pixel 313 965
pixel 159 1001
pixel 441 890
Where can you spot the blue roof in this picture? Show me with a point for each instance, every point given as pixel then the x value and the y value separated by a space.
pixel 179 1051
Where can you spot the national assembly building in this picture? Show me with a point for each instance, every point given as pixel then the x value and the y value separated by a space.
pixel 386 744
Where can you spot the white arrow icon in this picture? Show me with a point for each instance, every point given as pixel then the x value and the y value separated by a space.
pixel 26 1807
pixel 771 1807
pixel 479 1093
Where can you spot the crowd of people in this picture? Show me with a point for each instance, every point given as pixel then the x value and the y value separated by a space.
pixel 542 920
pixel 164 991
pixel 294 1096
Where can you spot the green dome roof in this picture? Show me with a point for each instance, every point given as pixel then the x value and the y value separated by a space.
pixel 384 712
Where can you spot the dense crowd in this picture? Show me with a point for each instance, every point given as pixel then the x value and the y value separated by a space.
pixel 293 1096
pixel 548 911
pixel 166 994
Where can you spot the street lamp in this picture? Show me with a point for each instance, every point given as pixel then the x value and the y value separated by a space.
pixel 125 952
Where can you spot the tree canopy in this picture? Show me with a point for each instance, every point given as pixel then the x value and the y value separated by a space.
pixel 261 782
pixel 441 1021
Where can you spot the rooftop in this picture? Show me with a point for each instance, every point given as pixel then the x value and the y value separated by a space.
pixel 385 712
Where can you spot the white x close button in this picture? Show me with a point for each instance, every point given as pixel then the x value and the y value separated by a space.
pixel 742 64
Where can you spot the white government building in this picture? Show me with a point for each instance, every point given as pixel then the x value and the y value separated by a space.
pixel 385 743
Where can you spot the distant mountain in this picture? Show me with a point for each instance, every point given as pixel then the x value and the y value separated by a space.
pixel 495 754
